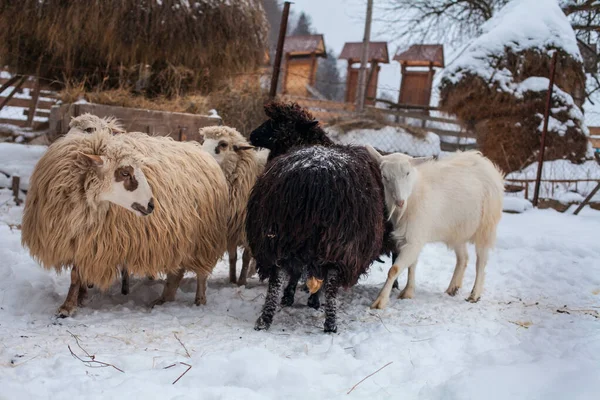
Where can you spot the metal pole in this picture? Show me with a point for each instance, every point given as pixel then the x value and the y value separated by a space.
pixel 362 74
pixel 279 52
pixel 538 179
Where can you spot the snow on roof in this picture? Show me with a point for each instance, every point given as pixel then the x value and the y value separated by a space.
pixel 520 25
pixel 304 44
pixel 378 51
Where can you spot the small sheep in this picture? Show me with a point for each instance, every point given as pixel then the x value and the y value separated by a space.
pixel 241 165
pixel 317 208
pixel 455 200
pixel 90 123
pixel 97 201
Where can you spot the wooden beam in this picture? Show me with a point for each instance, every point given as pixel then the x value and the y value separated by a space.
pixel 15 90
pixel 34 102
pixel 9 83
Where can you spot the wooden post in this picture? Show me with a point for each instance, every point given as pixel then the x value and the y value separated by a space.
pixel 16 181
pixel 347 98
pixel 15 90
pixel 536 192
pixel 278 53
pixel 313 69
pixel 34 102
pixel 587 199
pixel 362 75
pixel 285 73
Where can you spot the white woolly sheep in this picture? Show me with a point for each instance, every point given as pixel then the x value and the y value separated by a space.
pixel 90 123
pixel 455 200
pixel 84 195
pixel 242 165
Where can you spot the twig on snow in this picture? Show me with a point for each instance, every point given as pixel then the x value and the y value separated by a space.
pixel 368 376
pixel 92 362
pixel 184 372
pixel 187 353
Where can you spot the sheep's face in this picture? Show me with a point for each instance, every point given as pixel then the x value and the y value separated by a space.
pixel 89 123
pixel 221 147
pixel 279 135
pixel 399 178
pixel 399 175
pixel 123 183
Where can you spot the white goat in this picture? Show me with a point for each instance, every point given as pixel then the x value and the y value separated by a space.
pixel 455 200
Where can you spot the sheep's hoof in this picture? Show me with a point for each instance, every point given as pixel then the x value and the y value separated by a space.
pixel 287 301
pixel 125 290
pixel 452 291
pixel 90 285
pixel 407 293
pixel 65 311
pixel 395 285
pixel 200 302
pixel 473 299
pixel 158 302
pixel 379 304
pixel 241 282
pixel 313 301
pixel 261 324
pixel 330 327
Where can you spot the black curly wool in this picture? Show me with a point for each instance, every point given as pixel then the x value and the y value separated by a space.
pixel 317 211
pixel 315 206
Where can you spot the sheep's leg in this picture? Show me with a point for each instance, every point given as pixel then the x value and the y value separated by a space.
pixel 170 288
pixel 331 291
pixel 313 300
pixel 245 262
pixel 201 283
pixel 395 285
pixel 462 258
pixel 69 307
pixel 251 267
pixel 270 306
pixel 124 281
pixel 232 250
pixel 482 257
pixel 290 290
pixel 409 290
pixel 408 256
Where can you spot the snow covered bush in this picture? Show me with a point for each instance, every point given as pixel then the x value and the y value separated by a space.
pixel 499 85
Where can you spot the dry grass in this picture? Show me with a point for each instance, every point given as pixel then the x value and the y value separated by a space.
pixel 240 106
pixel 507 126
pixel 167 46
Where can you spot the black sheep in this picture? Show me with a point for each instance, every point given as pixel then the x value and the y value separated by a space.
pixel 318 209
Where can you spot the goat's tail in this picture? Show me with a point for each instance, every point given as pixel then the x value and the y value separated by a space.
pixel 493 196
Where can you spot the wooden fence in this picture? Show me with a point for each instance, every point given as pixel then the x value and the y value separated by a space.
pixel 25 101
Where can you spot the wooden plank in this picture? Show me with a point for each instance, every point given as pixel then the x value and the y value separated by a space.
pixel 316 103
pixel 38 113
pixel 8 83
pixel 28 84
pixel 14 91
pixel 16 122
pixel 159 123
pixel 408 114
pixel 26 103
pixel 34 102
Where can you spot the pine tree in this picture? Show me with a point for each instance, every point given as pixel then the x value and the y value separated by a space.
pixel 329 82
pixel 303 27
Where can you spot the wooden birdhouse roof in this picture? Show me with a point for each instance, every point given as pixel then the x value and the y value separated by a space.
pixel 302 45
pixel 422 55
pixel 378 52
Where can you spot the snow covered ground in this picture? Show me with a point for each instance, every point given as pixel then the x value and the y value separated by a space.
pixel 534 335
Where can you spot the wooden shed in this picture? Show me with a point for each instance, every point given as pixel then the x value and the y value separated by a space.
pixel 378 54
pixel 301 52
pixel 417 65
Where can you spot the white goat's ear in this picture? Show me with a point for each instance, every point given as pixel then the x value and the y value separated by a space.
pixel 419 160
pixel 374 153
pixel 92 159
pixel 240 148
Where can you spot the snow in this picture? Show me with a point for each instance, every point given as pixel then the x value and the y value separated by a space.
pixel 513 344
pixel 516 204
pixel 550 29
pixel 583 178
pixel 390 139
pixel 19 160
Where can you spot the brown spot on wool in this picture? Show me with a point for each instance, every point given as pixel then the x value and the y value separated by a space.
pixel 314 284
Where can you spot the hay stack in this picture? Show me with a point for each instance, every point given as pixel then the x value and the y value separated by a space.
pixel 499 86
pixel 174 45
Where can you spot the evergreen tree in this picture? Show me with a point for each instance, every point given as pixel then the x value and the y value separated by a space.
pixel 303 27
